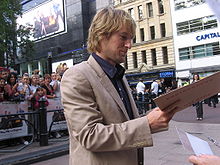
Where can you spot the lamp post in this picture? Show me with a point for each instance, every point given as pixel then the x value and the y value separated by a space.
pixel 49 62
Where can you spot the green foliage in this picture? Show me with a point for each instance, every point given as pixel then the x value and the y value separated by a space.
pixel 12 36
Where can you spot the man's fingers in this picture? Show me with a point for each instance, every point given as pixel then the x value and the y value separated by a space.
pixel 193 159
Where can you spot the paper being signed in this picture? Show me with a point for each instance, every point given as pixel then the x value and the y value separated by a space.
pixel 194 144
pixel 190 94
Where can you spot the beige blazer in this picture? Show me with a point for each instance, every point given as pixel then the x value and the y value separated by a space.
pixel 100 130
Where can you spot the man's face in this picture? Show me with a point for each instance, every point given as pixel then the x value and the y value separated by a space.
pixel 54 76
pixel 4 75
pixel 35 80
pixel 114 48
pixel 2 83
pixel 25 79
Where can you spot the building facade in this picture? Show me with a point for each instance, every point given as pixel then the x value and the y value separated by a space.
pixel 196 39
pixel 152 53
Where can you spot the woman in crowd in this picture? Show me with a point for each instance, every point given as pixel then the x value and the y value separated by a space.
pixel 198 105
pixel 49 89
pixel 5 90
pixel 40 93
pixel 12 81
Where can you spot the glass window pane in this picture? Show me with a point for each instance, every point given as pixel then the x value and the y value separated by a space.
pixel 198 51
pixel 184 54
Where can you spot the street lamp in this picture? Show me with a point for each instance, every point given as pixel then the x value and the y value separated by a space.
pixel 49 62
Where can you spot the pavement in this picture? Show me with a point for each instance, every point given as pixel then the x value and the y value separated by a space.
pixel 167 149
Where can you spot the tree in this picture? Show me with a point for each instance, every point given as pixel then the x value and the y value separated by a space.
pixel 12 36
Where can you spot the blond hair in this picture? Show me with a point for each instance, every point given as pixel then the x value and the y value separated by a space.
pixel 106 22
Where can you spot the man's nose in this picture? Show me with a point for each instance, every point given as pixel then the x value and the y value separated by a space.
pixel 128 43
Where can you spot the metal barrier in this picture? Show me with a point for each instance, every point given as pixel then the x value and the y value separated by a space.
pixel 144 102
pixel 29 125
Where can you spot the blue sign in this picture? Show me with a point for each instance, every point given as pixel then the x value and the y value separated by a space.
pixel 208 36
pixel 166 74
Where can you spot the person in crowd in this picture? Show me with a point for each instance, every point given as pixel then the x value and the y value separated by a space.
pixel 5 90
pixel 154 92
pixel 34 83
pixel 140 87
pixel 12 81
pixel 41 81
pixel 161 87
pixel 24 89
pixel 40 93
pixel 154 88
pixel 55 83
pixel 198 105
pixel 102 118
pixel 4 74
pixel 49 89
pixel 204 160
pixel 173 84
pixel 213 101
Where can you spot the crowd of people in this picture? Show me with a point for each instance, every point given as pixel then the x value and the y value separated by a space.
pixel 19 88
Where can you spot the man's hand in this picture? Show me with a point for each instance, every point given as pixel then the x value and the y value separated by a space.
pixel 204 160
pixel 159 120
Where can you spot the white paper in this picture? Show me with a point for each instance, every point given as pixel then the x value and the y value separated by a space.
pixel 194 144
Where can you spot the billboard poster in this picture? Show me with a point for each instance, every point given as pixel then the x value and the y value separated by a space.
pixel 46 20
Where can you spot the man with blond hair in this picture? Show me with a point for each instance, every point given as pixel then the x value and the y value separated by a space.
pixel 102 118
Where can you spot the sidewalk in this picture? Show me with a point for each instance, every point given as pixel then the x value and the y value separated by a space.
pixel 34 152
pixel 167 149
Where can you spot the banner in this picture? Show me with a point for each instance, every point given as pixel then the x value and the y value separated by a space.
pixel 57 117
pixel 11 126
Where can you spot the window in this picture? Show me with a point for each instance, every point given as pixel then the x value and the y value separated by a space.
pixel 144 58
pixel 142 34
pixel 140 12
pixel 152 32
pixel 213 49
pixel 153 57
pixel 162 30
pixel 134 59
pixel 195 25
pixel 184 53
pixel 165 55
pixel 134 40
pixel 199 51
pixel 126 62
pixel 150 9
pixel 160 6
pixel 131 12
pixel 181 4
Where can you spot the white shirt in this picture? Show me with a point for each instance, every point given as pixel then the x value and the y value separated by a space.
pixel 140 87
pixel 57 91
pixel 154 87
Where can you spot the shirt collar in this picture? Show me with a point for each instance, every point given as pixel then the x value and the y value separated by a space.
pixel 116 71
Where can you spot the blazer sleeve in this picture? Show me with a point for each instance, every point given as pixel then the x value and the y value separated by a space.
pixel 85 121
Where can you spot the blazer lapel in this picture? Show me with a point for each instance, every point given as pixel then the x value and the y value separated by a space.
pixel 132 102
pixel 107 84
